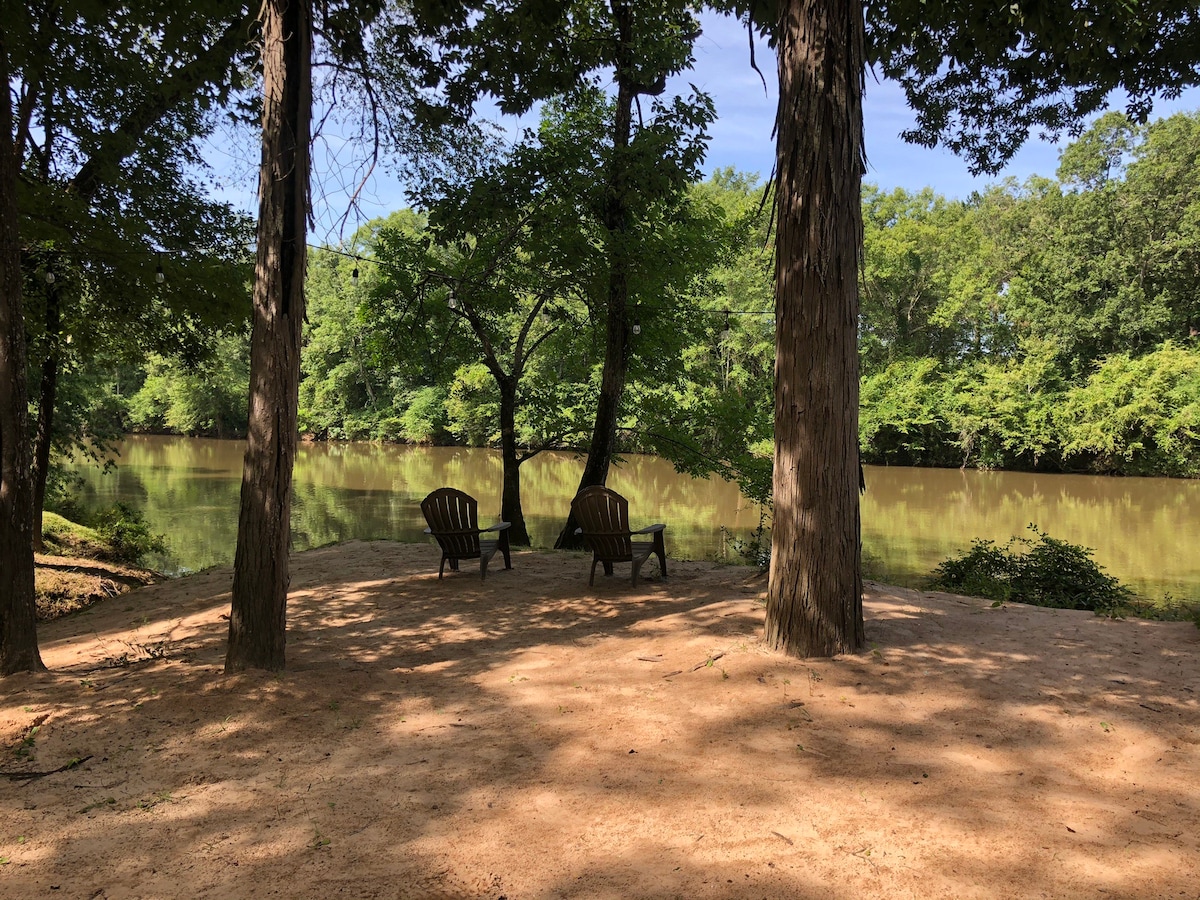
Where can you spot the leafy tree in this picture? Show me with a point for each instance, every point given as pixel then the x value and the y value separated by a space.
pixel 919 277
pixel 111 138
pixel 526 51
pixel 492 258
pixel 207 399
pixel 257 633
pixel 708 409
pixel 18 631
pixel 1137 415
pixel 979 77
pixel 345 393
pixel 103 103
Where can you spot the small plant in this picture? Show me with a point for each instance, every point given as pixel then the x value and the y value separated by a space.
pixel 319 841
pixel 24 750
pixel 107 801
pixel 1041 572
pixel 160 797
pixel 756 550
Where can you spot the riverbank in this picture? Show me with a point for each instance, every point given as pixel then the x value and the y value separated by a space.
pixel 80 568
pixel 529 737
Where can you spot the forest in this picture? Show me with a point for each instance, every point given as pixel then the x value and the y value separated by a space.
pixel 1051 325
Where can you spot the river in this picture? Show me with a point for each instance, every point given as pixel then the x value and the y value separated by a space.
pixel 1145 531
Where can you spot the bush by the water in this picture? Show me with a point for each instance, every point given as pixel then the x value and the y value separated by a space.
pixel 127 535
pixel 1043 572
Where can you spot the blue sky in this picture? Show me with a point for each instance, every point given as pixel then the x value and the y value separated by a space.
pixel 741 138
pixel 742 135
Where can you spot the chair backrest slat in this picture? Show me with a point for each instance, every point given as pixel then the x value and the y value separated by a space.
pixel 453 518
pixel 603 515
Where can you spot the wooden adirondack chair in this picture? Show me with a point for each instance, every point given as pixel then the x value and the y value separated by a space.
pixel 603 516
pixel 453 519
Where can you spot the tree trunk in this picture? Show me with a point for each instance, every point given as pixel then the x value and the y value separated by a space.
pixel 257 621
pixel 47 395
pixel 510 498
pixel 814 599
pixel 616 343
pixel 18 611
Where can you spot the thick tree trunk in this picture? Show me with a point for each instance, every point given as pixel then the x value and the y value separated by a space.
pixel 47 396
pixel 510 497
pixel 18 612
pixel 616 342
pixel 814 599
pixel 257 621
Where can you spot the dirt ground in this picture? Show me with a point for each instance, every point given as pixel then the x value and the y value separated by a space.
pixel 528 737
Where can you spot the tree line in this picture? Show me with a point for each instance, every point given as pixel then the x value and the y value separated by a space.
pixel 1050 325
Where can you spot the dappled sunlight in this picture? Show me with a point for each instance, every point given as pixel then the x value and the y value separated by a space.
pixel 526 736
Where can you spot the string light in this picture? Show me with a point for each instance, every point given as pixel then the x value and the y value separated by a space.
pixel 452 300
pixel 159 275
pixel 49 277
pixel 354 277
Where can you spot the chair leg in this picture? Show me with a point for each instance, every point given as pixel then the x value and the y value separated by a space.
pixel 660 550
pixel 637 567
pixel 442 567
pixel 505 549
pixel 592 574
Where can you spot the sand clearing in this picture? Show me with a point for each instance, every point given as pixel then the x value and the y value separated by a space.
pixel 529 737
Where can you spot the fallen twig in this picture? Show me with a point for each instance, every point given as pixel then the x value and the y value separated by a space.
pixel 30 776
pixel 708 662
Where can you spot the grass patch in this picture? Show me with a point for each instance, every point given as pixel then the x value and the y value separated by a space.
pixel 81 566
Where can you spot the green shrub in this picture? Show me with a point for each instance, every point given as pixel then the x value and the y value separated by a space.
pixel 127 534
pixel 1042 572
pixel 756 549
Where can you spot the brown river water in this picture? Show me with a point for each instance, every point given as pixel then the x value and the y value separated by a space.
pixel 1145 531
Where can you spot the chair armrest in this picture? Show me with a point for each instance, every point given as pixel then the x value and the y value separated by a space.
pixel 499 526
pixel 650 529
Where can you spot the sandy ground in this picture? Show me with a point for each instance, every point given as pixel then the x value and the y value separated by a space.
pixel 529 737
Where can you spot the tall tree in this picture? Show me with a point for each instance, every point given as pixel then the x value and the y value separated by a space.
pixel 106 168
pixel 257 620
pixel 980 77
pixel 635 73
pixel 564 50
pixel 18 631
pixel 105 101
pixel 815 609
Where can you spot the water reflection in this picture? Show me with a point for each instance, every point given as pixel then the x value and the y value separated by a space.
pixel 188 489
pixel 1144 530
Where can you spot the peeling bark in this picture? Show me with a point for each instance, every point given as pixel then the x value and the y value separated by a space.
pixel 257 621
pixel 18 611
pixel 814 598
